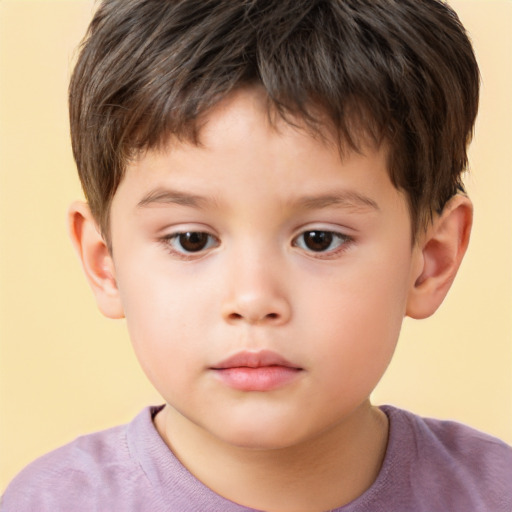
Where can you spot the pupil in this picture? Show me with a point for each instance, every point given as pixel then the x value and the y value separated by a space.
pixel 193 242
pixel 318 240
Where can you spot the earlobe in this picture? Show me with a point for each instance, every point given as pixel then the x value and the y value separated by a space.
pixel 96 259
pixel 440 253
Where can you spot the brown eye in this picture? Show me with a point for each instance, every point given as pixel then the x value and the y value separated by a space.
pixel 191 241
pixel 320 241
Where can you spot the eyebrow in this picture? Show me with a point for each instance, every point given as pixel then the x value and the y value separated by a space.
pixel 162 196
pixel 342 199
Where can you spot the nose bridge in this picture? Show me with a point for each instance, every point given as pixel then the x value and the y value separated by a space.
pixel 256 288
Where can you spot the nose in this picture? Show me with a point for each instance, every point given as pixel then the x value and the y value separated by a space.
pixel 256 293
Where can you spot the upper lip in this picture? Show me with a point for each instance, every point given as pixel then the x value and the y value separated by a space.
pixel 254 360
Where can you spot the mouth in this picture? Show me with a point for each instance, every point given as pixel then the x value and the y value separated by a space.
pixel 256 371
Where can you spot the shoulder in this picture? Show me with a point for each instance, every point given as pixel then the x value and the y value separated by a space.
pixel 76 476
pixel 453 462
pixel 450 440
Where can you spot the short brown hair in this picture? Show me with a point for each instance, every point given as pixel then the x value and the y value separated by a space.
pixel 403 71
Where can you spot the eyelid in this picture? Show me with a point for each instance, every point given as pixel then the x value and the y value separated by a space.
pixel 168 240
pixel 346 241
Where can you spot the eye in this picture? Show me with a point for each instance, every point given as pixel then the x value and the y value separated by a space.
pixel 320 241
pixel 191 241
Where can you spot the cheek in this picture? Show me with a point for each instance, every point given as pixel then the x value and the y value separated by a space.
pixel 359 338
pixel 359 318
pixel 163 319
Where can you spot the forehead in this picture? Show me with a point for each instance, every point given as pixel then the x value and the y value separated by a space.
pixel 252 176
pixel 245 153
pixel 247 116
pixel 250 102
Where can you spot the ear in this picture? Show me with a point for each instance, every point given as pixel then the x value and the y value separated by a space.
pixel 96 259
pixel 440 251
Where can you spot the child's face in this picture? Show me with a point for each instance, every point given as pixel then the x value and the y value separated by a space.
pixel 296 259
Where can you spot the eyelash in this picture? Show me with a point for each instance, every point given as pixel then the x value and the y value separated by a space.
pixel 340 240
pixel 171 240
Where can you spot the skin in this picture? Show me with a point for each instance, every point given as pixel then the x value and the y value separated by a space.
pixel 333 311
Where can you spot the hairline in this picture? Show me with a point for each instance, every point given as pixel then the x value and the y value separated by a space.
pixel 359 139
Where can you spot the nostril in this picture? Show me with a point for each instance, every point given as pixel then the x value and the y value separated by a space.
pixel 251 318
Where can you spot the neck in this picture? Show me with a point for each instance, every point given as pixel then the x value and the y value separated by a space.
pixel 319 474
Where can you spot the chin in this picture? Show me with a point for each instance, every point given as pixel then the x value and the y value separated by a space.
pixel 261 436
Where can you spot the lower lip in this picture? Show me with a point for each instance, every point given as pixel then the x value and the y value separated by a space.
pixel 264 378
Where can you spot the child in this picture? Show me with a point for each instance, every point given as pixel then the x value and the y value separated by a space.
pixel 272 186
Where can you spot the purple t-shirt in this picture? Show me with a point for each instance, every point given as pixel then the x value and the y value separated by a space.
pixel 430 466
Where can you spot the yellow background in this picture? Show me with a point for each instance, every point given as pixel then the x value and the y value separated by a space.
pixel 65 370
